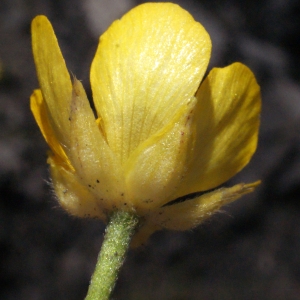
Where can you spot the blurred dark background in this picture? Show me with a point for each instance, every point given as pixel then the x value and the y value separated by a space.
pixel 249 251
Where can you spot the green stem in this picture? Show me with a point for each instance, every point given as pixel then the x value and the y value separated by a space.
pixel 116 242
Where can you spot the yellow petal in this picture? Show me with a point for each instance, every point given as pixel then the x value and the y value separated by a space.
pixel 143 233
pixel 154 170
pixel 190 213
pixel 53 76
pixel 39 110
pixel 227 122
pixel 147 65
pixel 74 197
pixel 94 162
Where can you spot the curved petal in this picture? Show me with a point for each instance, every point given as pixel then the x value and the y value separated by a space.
pixel 96 166
pixel 147 65
pixel 143 233
pixel 190 213
pixel 155 169
pixel 227 122
pixel 53 76
pixel 72 196
pixel 39 111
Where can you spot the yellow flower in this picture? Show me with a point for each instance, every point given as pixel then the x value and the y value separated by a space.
pixel 158 136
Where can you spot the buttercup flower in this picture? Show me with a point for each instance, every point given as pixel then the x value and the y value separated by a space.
pixel 158 139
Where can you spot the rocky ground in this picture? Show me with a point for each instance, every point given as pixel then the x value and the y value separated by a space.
pixel 252 251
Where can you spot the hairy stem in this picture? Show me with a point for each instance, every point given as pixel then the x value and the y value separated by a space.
pixel 116 242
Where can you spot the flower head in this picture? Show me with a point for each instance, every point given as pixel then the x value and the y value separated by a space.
pixel 157 136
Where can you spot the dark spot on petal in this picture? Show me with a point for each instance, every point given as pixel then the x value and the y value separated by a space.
pixel 148 201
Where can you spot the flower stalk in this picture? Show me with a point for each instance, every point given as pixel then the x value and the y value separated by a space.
pixel 118 234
